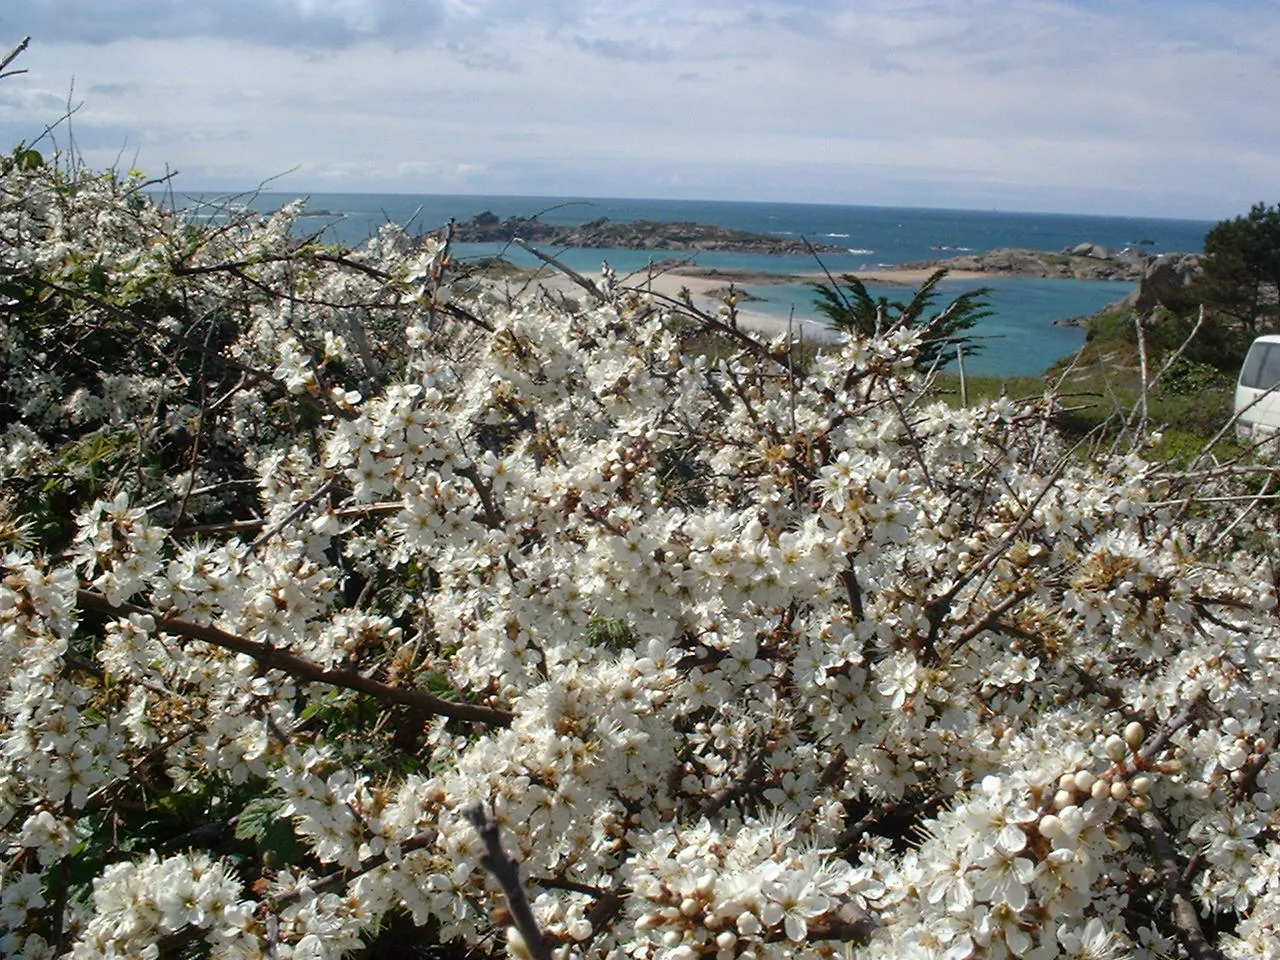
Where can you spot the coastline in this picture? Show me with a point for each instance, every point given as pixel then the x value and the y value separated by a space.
pixel 705 293
pixel 707 287
pixel 888 276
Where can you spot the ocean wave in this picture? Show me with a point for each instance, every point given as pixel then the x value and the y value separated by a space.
pixel 843 236
pixel 863 251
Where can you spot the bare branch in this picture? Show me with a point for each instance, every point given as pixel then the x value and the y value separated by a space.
pixel 1152 748
pixel 569 272
pixel 13 55
pixel 293 514
pixel 507 872
pixel 1182 911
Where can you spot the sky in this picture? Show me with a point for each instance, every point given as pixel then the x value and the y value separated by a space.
pixel 1118 107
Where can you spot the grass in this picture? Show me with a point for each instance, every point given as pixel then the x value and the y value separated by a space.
pixel 1101 386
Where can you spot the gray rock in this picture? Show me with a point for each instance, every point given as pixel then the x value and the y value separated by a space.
pixel 1165 281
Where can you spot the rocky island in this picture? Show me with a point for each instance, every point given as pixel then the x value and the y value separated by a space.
pixel 602 232
pixel 1085 261
pixel 1159 278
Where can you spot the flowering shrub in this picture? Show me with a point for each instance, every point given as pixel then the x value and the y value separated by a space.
pixel 319 574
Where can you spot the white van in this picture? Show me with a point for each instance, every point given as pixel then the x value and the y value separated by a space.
pixel 1258 390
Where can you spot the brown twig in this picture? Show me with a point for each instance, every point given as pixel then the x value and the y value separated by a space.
pixel 507 872
pixel 1182 911
pixel 940 606
pixel 750 778
pixel 295 513
pixel 990 619
pixel 240 526
pixel 299 667
pixel 1153 747
pixel 340 878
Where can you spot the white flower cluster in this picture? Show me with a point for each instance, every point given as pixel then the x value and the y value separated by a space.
pixel 746 657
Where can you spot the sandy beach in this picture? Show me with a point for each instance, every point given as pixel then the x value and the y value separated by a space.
pixel 914 276
pixel 705 292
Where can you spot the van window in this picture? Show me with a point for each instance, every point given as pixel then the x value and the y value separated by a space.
pixel 1261 367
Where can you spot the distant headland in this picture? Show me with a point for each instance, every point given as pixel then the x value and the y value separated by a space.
pixel 487 227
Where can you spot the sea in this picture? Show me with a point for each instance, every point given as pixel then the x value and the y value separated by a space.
pixel 1024 335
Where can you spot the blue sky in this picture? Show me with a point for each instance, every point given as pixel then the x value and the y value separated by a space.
pixel 1132 107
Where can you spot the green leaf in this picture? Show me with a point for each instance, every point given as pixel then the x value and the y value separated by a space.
pixel 257 818
pixel 25 158
pixel 608 632
pixel 261 824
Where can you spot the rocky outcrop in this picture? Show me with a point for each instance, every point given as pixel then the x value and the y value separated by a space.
pixel 486 227
pixel 1086 261
pixel 1165 281
pixel 1094 250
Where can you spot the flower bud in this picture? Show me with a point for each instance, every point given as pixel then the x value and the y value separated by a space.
pixel 516 946
pixel 1085 780
pixel 1140 785
pixel 1120 790
pixel 1067 782
pixel 1134 734
pixel 1115 748
pixel 1100 790
pixel 1062 799
pixel 1050 826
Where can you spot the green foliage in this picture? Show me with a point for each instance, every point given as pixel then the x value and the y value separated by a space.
pixel 272 835
pixel 1188 378
pixel 608 632
pixel 1219 342
pixel 23 158
pixel 850 306
pixel 1242 268
pixel 1114 326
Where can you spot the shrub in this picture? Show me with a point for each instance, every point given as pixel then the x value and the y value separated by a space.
pixel 353 584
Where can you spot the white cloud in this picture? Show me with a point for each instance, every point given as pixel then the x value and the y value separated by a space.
pixel 1131 106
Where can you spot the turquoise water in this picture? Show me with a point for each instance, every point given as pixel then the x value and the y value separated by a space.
pixel 1020 338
